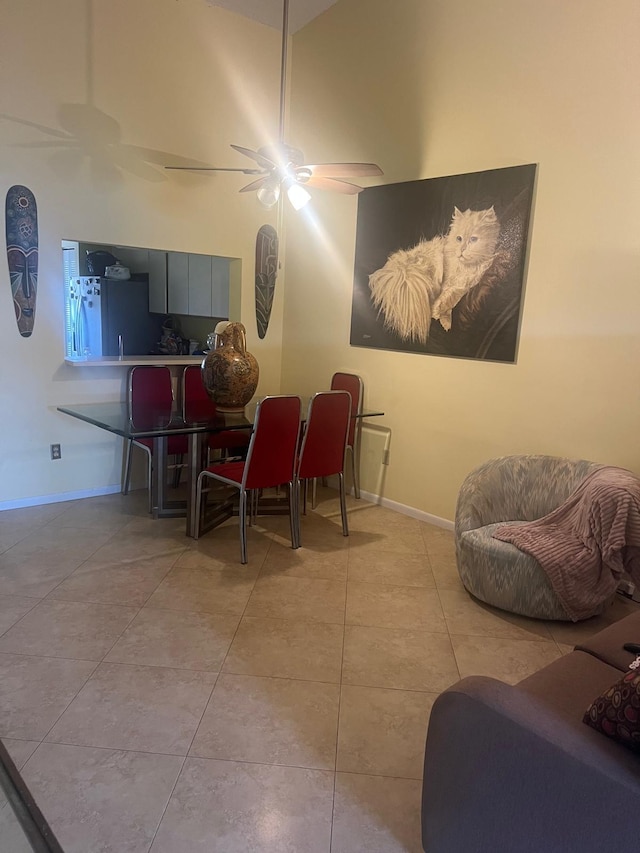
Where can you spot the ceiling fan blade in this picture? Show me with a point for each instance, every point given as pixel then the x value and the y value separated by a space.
pixel 333 184
pixel 214 169
pixel 281 165
pixel 255 185
pixel 262 161
pixel 344 170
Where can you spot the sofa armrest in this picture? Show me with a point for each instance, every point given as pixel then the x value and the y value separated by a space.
pixel 504 772
pixel 608 644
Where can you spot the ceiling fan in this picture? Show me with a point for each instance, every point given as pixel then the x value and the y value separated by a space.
pixel 281 165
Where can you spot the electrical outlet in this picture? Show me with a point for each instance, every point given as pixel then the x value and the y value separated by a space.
pixel 56 452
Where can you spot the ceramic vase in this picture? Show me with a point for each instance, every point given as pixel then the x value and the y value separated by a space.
pixel 229 372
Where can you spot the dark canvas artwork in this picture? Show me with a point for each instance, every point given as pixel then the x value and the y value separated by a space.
pixel 439 264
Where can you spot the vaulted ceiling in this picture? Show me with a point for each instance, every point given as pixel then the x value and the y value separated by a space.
pixel 270 11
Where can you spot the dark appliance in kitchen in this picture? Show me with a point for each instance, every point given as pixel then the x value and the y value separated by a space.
pixel 104 311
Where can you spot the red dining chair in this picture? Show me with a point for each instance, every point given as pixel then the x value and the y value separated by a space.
pixel 324 447
pixel 197 405
pixel 352 383
pixel 270 462
pixel 149 394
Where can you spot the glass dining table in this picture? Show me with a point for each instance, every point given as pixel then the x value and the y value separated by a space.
pixel 151 422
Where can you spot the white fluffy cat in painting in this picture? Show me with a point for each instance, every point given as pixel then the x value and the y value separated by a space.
pixel 427 281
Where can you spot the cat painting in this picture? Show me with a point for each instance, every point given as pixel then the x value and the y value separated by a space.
pixel 426 282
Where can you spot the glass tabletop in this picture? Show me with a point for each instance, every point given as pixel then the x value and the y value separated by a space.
pixel 145 421
pixel 148 421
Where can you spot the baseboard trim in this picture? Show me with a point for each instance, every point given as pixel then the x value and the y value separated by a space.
pixel 403 509
pixel 412 512
pixel 60 498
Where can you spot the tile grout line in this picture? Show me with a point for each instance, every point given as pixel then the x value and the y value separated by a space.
pixel 71 701
pixel 37 601
pixel 219 673
pixel 208 702
pixel 335 762
pixel 120 564
pixel 166 805
pixel 444 615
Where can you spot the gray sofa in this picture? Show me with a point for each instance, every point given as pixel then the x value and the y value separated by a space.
pixel 513 769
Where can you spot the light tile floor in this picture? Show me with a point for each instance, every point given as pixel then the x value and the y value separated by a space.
pixel 159 696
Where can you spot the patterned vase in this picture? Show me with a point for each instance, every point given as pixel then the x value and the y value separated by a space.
pixel 229 372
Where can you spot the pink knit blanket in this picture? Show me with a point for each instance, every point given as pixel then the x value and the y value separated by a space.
pixel 587 543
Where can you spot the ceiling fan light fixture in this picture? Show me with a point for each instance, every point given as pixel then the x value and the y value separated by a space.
pixel 297 195
pixel 303 174
pixel 279 165
pixel 269 194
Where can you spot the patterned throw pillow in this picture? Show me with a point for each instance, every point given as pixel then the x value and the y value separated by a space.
pixel 616 713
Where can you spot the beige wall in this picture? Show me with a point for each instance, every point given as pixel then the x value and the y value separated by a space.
pixel 424 88
pixel 154 80
pixel 438 88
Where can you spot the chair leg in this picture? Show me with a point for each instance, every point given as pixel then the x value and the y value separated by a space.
pixel 293 515
pixel 127 469
pixel 149 479
pixel 294 508
pixel 201 477
pixel 343 505
pixel 355 451
pixel 314 493
pixel 354 472
pixel 242 514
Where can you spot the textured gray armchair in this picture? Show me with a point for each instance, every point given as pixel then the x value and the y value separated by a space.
pixel 511 488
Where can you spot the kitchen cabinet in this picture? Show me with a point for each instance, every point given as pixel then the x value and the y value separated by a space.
pixel 220 282
pixel 157 282
pixel 178 282
pixel 197 285
pixel 208 286
pixel 200 285
pixel 136 260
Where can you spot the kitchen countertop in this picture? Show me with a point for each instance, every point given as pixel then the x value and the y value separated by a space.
pixel 132 360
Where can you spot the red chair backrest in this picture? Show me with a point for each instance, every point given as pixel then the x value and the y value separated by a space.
pixel 150 396
pixel 325 436
pixel 272 451
pixel 352 383
pixel 196 403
